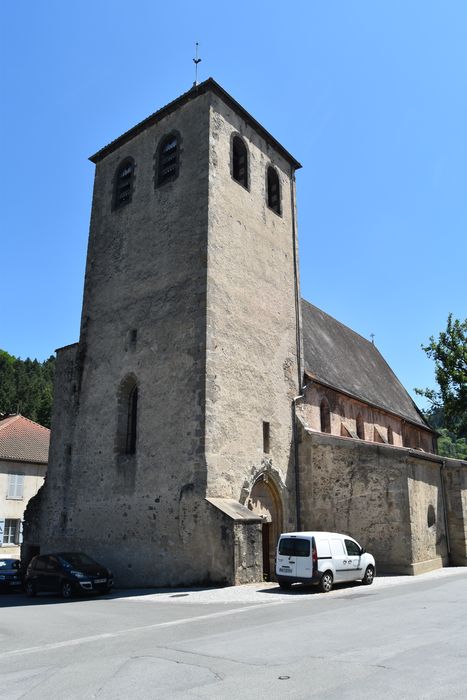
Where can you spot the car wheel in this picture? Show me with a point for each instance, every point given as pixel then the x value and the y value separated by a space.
pixel 30 589
pixel 368 579
pixel 325 585
pixel 105 591
pixel 66 590
pixel 285 585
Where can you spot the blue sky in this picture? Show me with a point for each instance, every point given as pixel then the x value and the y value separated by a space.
pixel 371 97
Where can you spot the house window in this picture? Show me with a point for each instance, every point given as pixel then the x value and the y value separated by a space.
pixel 15 486
pixel 325 417
pixel 239 161
pixel 124 183
pixel 127 423
pixel 360 428
pixel 273 190
pixel 168 161
pixel 266 437
pixel 11 533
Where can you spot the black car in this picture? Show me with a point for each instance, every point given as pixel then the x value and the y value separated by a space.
pixel 10 575
pixel 67 573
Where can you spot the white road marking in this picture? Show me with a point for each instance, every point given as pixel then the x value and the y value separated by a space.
pixel 121 633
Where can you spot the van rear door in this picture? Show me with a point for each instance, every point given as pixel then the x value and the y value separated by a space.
pixel 286 564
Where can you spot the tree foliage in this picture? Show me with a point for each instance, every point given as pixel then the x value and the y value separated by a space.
pixel 26 387
pixel 449 353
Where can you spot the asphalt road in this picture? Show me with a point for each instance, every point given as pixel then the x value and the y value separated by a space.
pixel 399 638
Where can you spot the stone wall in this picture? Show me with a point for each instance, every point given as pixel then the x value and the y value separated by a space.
pixel 379 494
pixel 251 366
pixel 455 477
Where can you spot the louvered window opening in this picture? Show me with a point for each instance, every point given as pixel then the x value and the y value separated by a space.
pixel 240 162
pixel 168 161
pixel 274 199
pixel 123 188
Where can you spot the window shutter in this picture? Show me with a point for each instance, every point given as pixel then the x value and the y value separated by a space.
pixel 15 486
pixel 2 530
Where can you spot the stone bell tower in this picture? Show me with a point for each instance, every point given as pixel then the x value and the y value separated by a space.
pixel 172 446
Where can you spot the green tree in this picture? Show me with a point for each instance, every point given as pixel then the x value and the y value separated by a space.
pixel 26 387
pixel 449 353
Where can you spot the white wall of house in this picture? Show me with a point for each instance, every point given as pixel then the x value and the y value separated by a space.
pixel 19 482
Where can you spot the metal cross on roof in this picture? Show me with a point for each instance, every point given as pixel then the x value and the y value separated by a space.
pixel 196 60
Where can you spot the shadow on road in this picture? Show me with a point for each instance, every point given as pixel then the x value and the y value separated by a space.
pixel 20 599
pixel 299 589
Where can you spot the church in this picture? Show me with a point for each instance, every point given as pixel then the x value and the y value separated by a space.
pixel 206 407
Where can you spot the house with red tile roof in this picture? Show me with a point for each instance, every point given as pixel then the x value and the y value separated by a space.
pixel 24 453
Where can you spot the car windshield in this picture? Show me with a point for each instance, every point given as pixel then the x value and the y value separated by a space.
pixel 9 564
pixel 75 559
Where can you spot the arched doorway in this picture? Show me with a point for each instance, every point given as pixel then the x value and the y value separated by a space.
pixel 266 501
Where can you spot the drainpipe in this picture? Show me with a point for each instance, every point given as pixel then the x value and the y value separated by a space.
pixel 296 463
pixel 445 507
pixel 298 346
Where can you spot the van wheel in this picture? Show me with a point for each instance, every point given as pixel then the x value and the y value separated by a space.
pixel 29 589
pixel 368 579
pixel 325 585
pixel 284 585
pixel 66 590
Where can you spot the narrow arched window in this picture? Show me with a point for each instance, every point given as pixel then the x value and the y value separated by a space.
pixel 123 188
pixel 132 421
pixel 127 420
pixel 325 417
pixel 360 428
pixel 168 160
pixel 273 190
pixel 239 161
pixel 390 436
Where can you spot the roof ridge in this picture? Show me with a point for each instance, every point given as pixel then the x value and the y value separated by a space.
pixel 8 420
pixel 12 419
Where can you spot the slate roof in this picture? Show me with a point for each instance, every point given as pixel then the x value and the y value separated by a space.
pixel 209 84
pixel 336 356
pixel 22 440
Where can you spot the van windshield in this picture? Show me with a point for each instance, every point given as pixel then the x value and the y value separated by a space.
pixel 294 547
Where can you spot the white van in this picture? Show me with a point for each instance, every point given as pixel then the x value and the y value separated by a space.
pixel 322 558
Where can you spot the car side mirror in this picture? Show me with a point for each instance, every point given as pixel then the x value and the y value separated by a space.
pixel 362 550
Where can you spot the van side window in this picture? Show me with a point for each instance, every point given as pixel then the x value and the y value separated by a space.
pixel 353 549
pixel 337 548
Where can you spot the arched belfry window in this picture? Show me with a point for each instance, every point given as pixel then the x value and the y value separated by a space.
pixel 325 417
pixel 168 159
pixel 127 423
pixel 239 161
pixel 123 188
pixel 273 187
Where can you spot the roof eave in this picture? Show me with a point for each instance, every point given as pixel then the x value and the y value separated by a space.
pixel 195 91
